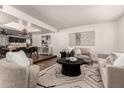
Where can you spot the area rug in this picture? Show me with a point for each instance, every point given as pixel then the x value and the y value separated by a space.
pixel 52 77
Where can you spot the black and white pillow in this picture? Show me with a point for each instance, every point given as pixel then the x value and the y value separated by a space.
pixel 111 58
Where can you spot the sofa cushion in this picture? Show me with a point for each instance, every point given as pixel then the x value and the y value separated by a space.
pixel 18 58
pixel 119 61
pixel 86 58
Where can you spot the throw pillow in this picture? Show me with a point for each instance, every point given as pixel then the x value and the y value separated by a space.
pixel 18 58
pixel 77 51
pixel 85 51
pixel 118 53
pixel 111 58
pixel 119 61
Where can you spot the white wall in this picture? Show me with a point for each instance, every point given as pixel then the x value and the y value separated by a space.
pixel 120 43
pixel 105 37
pixel 36 40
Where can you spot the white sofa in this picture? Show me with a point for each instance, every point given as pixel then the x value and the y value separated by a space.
pixel 16 76
pixel 86 54
pixel 112 76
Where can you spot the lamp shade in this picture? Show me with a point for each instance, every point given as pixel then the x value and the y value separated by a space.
pixel 70 49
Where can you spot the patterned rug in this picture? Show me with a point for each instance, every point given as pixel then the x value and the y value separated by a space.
pixel 52 77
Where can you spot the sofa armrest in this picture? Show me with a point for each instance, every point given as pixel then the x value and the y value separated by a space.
pixel 115 77
pixel 33 75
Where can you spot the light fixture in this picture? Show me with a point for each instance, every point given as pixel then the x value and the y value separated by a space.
pixel 14 25
pixel 19 26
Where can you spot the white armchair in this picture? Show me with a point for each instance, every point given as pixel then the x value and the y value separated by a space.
pixel 86 54
pixel 16 76
pixel 115 77
pixel 111 73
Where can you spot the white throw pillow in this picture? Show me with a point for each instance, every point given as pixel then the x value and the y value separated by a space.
pixel 119 61
pixel 78 51
pixel 111 58
pixel 118 54
pixel 18 58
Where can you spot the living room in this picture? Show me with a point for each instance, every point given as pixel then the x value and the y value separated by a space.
pixel 95 30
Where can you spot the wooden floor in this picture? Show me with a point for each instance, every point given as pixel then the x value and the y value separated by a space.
pixel 47 63
pixel 42 58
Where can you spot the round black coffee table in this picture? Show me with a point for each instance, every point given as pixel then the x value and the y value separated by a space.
pixel 71 68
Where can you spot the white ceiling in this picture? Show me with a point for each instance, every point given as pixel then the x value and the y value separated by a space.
pixel 6 18
pixel 11 22
pixel 65 16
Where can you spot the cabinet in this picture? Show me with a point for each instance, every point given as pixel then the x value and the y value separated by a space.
pixel 45 44
pixel 3 40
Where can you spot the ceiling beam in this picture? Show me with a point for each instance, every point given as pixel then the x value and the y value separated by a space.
pixel 23 16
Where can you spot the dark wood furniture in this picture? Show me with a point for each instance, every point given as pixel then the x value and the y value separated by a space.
pixel 67 54
pixel 70 68
pixel 28 50
pixel 2 52
pixel 63 54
